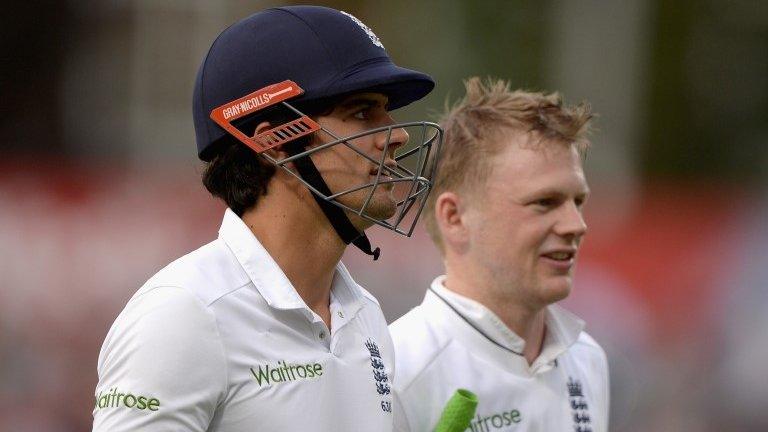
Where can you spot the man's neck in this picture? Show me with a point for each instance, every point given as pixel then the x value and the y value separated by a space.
pixel 523 320
pixel 301 241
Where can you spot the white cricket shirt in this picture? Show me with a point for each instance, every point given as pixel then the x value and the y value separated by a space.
pixel 437 351
pixel 220 340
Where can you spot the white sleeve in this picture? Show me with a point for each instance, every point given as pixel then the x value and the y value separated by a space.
pixel 162 366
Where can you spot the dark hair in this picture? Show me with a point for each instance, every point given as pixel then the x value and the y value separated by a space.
pixel 238 175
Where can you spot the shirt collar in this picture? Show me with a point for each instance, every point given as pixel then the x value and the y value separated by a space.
pixel 479 316
pixel 563 330
pixel 562 327
pixel 268 277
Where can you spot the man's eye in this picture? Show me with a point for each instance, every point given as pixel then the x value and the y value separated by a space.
pixel 361 115
pixel 545 202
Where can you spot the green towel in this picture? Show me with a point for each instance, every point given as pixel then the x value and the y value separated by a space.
pixel 458 412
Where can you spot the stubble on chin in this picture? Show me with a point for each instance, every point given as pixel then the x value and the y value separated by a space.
pixel 381 210
pixel 381 206
pixel 376 210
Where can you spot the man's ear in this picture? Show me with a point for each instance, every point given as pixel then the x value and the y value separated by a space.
pixel 451 218
pixel 261 127
pixel 274 153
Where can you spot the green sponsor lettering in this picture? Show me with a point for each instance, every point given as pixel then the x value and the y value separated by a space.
pixel 262 375
pixel 103 401
pixel 276 372
pixel 130 403
pixel 282 372
pixel 301 371
pixel 494 421
pixel 116 399
pixel 507 418
pixel 153 404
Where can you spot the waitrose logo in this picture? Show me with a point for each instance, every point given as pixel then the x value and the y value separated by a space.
pixel 282 372
pixel 117 399
pixel 495 421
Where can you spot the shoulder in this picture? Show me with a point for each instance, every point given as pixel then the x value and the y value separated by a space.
pixel 164 346
pixel 417 344
pixel 159 322
pixel 172 311
pixel 587 346
pixel 590 354
pixel 166 343
pixel 208 273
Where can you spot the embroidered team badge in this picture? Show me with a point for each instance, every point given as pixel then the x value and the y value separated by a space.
pixel 366 29
pixel 581 420
pixel 379 374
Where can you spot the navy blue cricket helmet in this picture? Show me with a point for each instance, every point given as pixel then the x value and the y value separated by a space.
pixel 326 52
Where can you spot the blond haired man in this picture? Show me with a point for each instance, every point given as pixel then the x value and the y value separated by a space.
pixel 506 214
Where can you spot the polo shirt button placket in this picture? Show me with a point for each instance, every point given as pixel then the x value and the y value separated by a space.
pixel 324 336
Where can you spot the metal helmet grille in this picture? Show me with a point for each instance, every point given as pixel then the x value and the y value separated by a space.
pixel 409 180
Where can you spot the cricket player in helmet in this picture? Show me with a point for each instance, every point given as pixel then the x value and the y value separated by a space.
pixel 294 69
pixel 264 329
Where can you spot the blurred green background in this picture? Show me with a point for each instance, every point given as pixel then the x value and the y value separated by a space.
pixel 99 183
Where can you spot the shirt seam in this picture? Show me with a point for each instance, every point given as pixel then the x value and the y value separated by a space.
pixel 243 285
pixel 212 316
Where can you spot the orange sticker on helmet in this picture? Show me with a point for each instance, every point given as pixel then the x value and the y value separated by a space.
pixel 225 114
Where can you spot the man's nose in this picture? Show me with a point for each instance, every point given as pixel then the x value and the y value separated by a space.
pixel 391 139
pixel 572 223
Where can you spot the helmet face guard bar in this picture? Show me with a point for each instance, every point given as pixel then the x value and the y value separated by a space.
pixel 417 181
pixel 409 179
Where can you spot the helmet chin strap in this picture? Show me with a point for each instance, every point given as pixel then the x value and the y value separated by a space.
pixel 335 215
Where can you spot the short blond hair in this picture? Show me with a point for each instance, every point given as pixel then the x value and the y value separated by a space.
pixel 474 127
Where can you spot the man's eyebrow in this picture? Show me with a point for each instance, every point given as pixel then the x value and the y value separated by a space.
pixel 554 192
pixel 361 101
